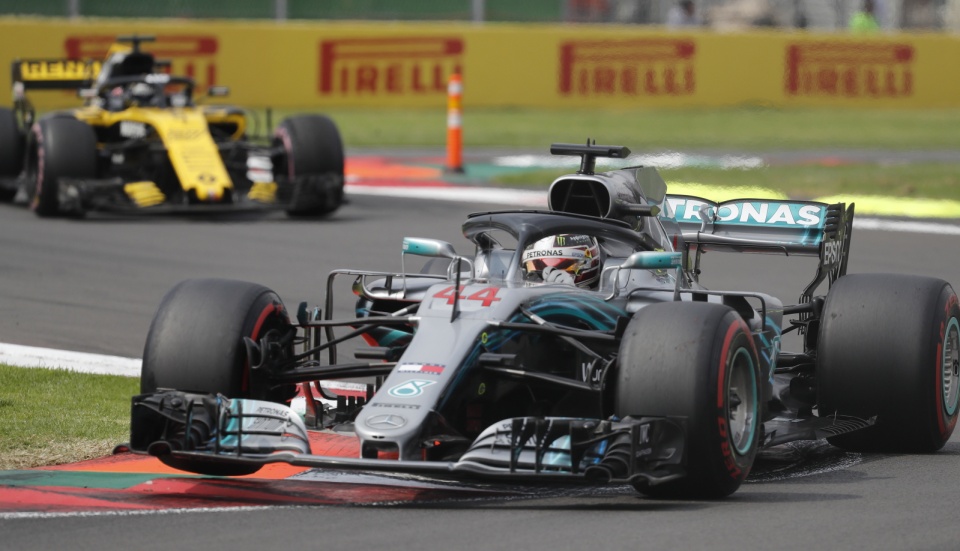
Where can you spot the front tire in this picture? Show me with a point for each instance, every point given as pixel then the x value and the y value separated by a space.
pixel 195 343
pixel 312 164
pixel 60 147
pixel 695 361
pixel 889 346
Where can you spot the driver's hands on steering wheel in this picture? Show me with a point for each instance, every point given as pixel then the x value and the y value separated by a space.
pixel 553 275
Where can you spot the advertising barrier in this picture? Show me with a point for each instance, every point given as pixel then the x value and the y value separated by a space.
pixel 328 64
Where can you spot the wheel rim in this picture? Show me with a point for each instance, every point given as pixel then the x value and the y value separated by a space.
pixel 742 402
pixel 950 363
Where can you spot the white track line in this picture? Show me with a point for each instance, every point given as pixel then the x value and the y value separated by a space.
pixel 143 512
pixel 520 198
pixel 30 356
pixel 908 226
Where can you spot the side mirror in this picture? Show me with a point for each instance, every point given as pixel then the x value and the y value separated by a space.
pixel 435 248
pixel 652 260
pixel 644 260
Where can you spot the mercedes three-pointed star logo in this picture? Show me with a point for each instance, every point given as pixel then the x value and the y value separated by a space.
pixel 387 421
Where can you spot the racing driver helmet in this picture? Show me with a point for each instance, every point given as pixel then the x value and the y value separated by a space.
pixel 564 258
pixel 141 94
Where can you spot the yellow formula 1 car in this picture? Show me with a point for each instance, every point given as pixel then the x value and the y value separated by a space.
pixel 140 143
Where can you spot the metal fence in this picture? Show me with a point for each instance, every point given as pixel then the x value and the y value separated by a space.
pixel 821 15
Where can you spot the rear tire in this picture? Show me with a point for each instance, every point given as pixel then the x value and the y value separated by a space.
pixel 889 346
pixel 59 147
pixel 11 151
pixel 698 361
pixel 314 157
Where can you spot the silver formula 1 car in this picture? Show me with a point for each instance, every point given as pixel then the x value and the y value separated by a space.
pixel 573 344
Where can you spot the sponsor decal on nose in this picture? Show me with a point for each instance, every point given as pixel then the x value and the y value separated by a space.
pixel 409 389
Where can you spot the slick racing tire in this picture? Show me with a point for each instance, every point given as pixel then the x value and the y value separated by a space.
pixel 195 344
pixel 60 147
pixel 889 346
pixel 696 362
pixel 313 164
pixel 11 151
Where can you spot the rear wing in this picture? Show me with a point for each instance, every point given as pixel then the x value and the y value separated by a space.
pixel 53 74
pixel 48 74
pixel 803 228
pixel 64 74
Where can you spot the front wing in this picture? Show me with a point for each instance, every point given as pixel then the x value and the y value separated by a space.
pixel 205 433
pixel 78 196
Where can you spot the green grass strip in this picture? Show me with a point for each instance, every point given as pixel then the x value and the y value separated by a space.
pixel 759 129
pixel 54 416
pixel 723 193
pixel 898 206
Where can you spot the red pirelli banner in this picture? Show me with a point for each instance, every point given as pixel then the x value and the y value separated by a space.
pixel 632 67
pixel 832 69
pixel 395 66
pixel 317 65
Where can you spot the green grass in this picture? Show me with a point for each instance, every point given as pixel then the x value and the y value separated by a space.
pixel 52 416
pixel 734 128
pixel 920 180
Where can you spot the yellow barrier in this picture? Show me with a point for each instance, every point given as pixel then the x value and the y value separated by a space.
pixel 321 64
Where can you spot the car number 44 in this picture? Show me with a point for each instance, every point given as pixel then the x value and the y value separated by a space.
pixel 486 295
